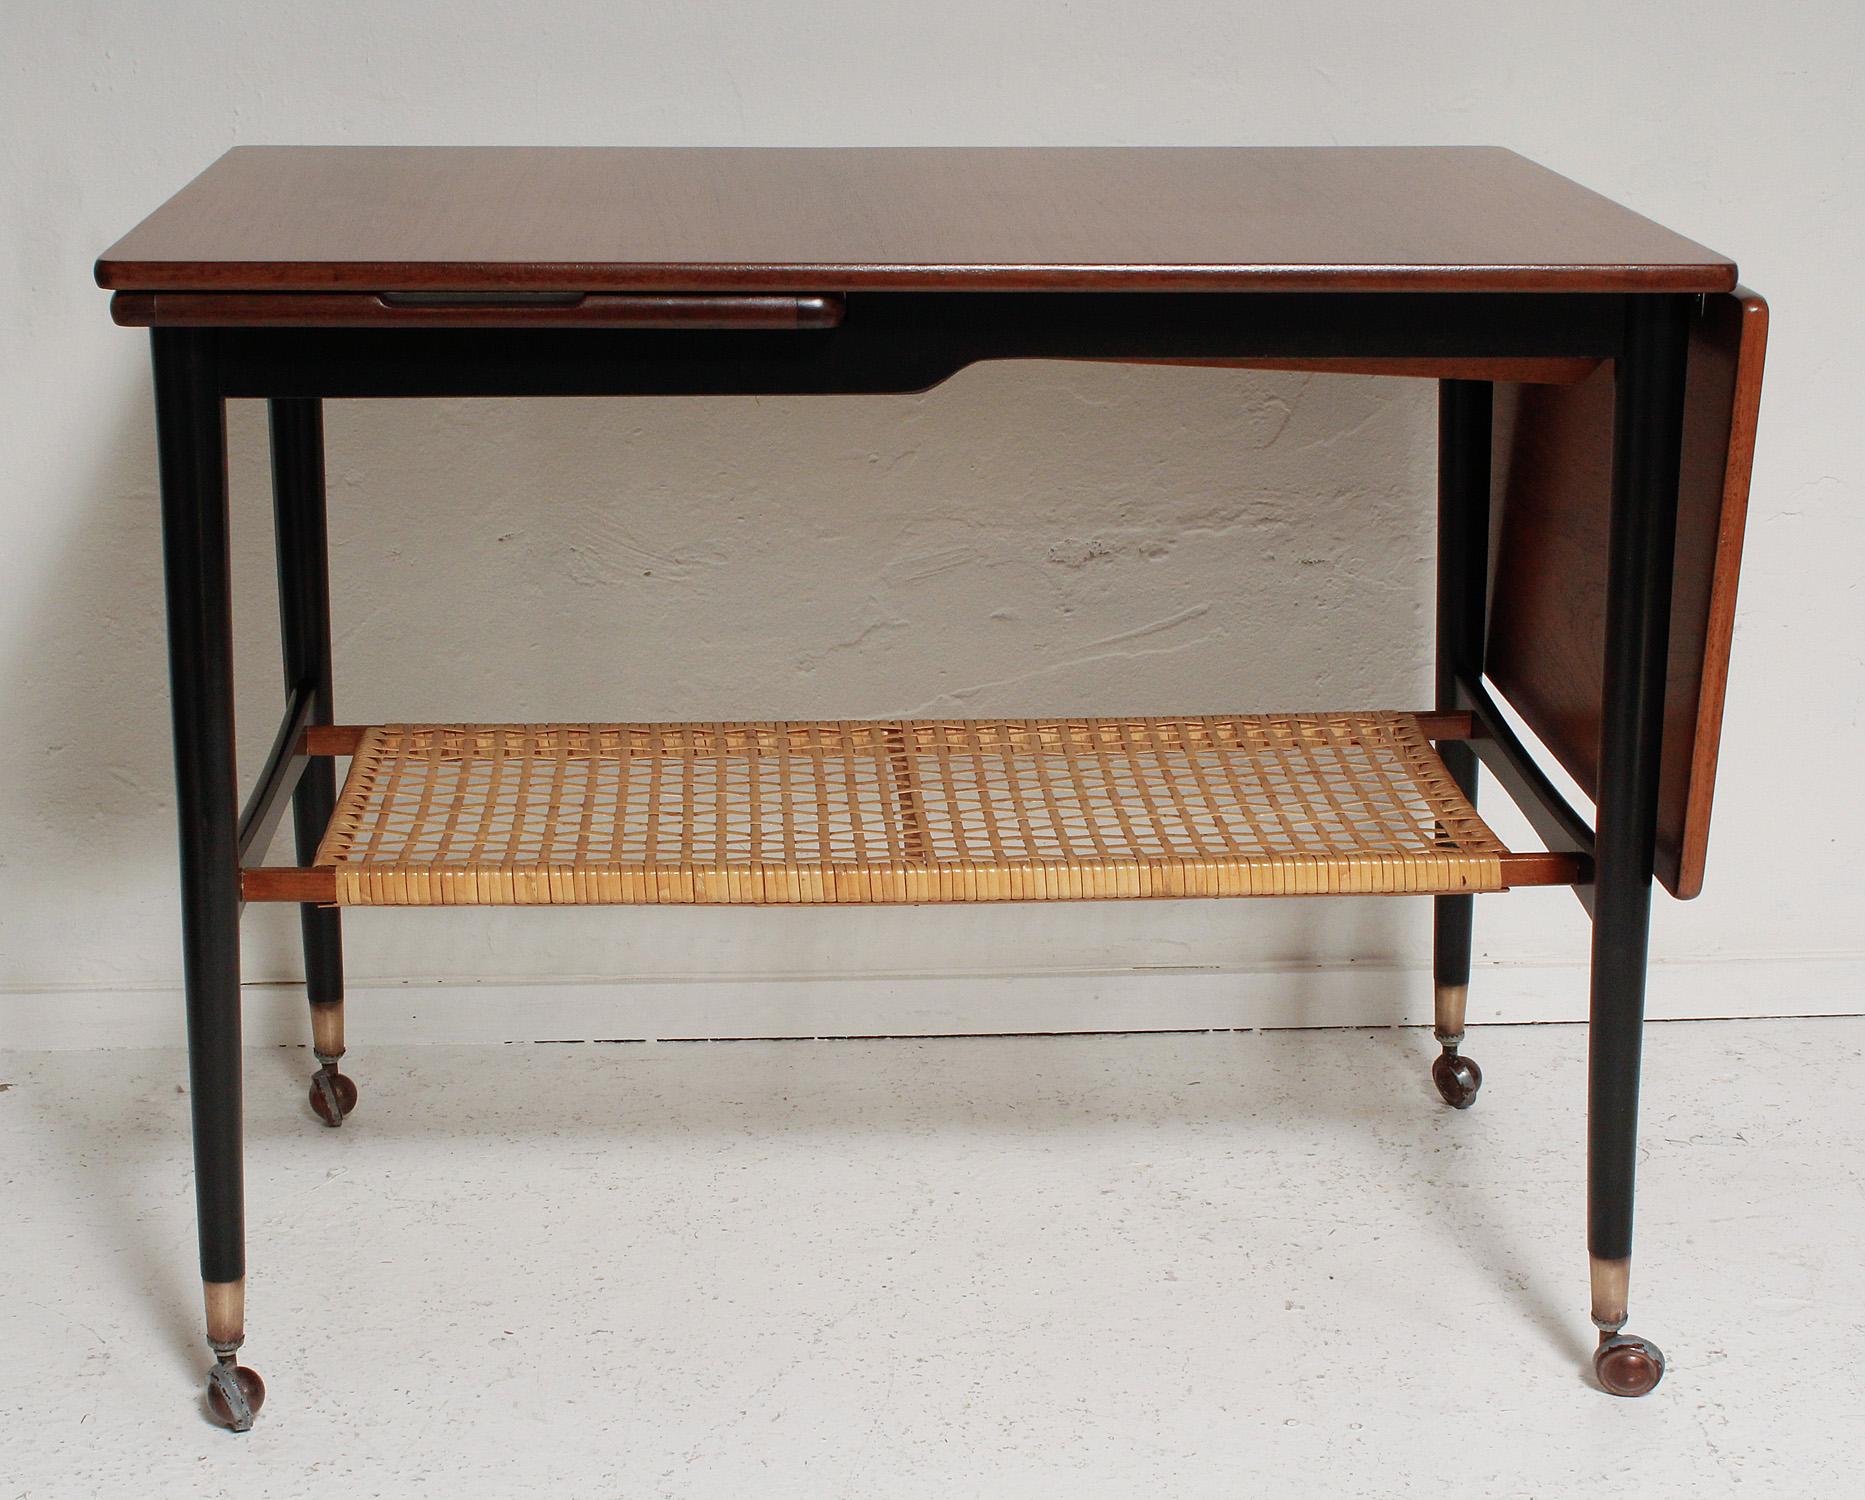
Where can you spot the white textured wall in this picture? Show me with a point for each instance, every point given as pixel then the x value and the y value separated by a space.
pixel 1041 538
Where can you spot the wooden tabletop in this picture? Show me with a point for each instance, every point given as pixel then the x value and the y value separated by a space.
pixel 729 219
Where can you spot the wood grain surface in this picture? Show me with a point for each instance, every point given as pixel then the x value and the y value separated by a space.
pixel 593 219
pixel 1547 624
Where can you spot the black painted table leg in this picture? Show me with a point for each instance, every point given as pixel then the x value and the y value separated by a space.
pixel 1647 437
pixel 298 507
pixel 1465 413
pixel 191 435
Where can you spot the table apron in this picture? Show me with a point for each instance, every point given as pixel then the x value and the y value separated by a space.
pixel 897 343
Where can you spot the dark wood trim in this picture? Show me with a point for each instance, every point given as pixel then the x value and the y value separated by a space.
pixel 191 452
pixel 1525 370
pixel 896 343
pixel 278 778
pixel 1528 786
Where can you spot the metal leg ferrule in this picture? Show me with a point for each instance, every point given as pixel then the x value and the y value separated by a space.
pixel 1452 1000
pixel 1612 1282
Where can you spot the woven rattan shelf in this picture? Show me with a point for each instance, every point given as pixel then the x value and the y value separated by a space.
pixel 905 811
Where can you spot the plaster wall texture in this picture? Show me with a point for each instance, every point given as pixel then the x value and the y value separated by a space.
pixel 1026 539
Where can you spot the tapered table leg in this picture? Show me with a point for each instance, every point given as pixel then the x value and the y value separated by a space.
pixel 1647 434
pixel 1465 416
pixel 298 507
pixel 191 436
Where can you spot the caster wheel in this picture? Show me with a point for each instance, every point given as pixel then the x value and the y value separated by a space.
pixel 332 1095
pixel 234 1395
pixel 1628 1366
pixel 1457 1079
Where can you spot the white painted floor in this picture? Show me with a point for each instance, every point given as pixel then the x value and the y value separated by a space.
pixel 1194 1265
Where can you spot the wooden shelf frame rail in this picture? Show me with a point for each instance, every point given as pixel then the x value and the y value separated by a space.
pixel 1554 819
pixel 284 768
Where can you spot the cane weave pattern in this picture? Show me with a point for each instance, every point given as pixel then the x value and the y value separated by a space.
pixel 902 811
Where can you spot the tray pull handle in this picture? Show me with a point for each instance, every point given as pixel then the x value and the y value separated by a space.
pixel 671 310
